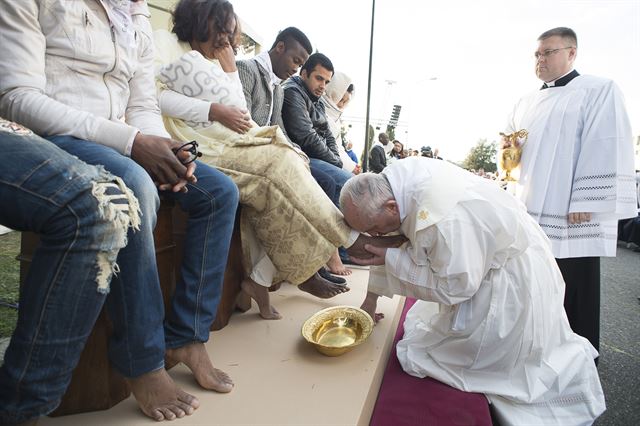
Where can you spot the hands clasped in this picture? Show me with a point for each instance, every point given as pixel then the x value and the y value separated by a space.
pixel 157 156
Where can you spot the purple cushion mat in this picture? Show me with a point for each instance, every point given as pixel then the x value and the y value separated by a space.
pixel 410 401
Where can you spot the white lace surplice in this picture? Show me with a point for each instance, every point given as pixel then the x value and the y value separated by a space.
pixel 578 158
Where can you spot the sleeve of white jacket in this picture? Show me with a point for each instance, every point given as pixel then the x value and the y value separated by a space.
pixel 458 254
pixel 177 105
pixel 23 80
pixel 143 111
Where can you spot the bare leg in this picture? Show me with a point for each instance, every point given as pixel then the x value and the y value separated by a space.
pixel 335 266
pixel 159 398
pixel 195 356
pixel 369 306
pixel 322 288
pixel 261 295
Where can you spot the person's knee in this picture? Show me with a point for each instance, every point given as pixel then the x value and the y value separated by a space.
pixel 217 186
pixel 146 194
pixel 117 210
pixel 228 192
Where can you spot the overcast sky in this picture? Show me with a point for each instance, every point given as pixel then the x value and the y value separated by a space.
pixel 480 53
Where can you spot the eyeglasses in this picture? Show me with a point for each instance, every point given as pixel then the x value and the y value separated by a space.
pixel 549 52
pixel 187 153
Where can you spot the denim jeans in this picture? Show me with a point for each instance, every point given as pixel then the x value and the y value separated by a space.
pixel 339 176
pixel 135 301
pixel 325 181
pixel 82 218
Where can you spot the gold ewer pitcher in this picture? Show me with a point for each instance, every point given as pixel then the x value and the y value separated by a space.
pixel 512 151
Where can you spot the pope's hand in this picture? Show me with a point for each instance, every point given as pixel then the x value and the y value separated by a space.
pixel 378 255
pixel 358 250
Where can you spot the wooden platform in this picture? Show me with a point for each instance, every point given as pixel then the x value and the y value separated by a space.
pixel 280 379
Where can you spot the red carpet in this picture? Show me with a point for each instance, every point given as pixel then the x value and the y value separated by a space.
pixel 407 400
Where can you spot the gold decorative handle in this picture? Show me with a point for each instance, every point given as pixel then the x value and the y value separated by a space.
pixel 510 155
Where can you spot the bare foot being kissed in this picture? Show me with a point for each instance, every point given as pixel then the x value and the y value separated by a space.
pixel 324 289
pixel 261 295
pixel 335 265
pixel 159 398
pixel 358 250
pixel 195 356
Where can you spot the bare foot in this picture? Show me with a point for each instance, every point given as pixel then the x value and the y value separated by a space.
pixel 195 356
pixel 335 266
pixel 357 249
pixel 322 288
pixel 369 306
pixel 261 295
pixel 159 398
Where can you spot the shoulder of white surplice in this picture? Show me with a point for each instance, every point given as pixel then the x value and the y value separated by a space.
pixel 592 82
pixel 436 189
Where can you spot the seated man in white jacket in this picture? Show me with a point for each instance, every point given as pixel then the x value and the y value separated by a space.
pixel 80 74
pixel 501 329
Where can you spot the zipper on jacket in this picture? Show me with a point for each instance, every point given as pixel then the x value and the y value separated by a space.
pixel 115 61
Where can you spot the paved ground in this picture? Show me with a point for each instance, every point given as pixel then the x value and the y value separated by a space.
pixel 620 338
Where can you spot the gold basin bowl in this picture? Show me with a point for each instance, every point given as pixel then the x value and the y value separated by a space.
pixel 336 330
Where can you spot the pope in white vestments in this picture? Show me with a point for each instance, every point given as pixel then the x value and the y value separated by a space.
pixel 501 328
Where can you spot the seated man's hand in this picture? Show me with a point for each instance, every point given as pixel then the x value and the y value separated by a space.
pixel 358 250
pixel 356 170
pixel 232 117
pixel 578 218
pixel 155 155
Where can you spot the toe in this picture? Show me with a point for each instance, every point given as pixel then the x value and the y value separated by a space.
pixel 167 413
pixel 177 410
pixel 185 408
pixel 188 399
pixel 156 415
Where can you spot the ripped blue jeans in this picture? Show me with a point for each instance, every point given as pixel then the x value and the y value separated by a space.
pixel 135 306
pixel 82 215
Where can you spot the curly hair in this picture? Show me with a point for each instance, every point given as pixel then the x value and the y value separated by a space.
pixel 203 19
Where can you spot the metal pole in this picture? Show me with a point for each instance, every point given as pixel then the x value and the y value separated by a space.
pixel 367 147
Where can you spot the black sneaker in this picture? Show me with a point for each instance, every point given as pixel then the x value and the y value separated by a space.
pixel 329 277
pixel 347 261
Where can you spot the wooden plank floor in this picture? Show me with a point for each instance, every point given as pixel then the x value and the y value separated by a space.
pixel 280 379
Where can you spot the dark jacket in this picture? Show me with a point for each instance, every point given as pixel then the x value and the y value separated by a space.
pixel 306 123
pixel 377 159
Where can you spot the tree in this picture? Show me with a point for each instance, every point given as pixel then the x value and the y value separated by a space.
pixel 482 156
pixel 365 154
